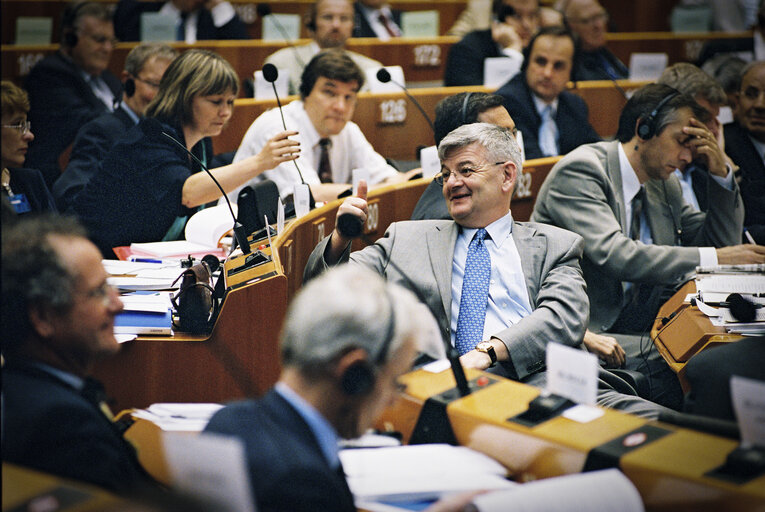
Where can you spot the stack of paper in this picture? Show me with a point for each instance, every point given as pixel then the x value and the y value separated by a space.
pixel 179 416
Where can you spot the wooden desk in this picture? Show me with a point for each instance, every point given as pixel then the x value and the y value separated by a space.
pixel 669 473
pixel 686 332
pixel 679 46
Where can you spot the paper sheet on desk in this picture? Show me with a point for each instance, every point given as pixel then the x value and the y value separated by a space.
pixel 183 417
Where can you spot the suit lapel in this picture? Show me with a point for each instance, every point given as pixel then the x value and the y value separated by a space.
pixel 532 252
pixel 613 168
pixel 441 240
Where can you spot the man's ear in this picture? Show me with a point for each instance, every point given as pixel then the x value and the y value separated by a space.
pixel 510 173
pixel 42 320
pixel 354 356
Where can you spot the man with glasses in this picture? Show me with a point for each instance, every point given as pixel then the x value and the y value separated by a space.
pixel 500 290
pixel 72 86
pixel 588 21
pixel 57 320
pixel 144 67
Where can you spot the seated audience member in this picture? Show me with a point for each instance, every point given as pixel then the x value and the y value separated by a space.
pixel 709 372
pixel 451 113
pixel 552 120
pixel 196 20
pixel 340 363
pixel 500 290
pixel 24 188
pixel 58 321
pixel 331 144
pixel 72 86
pixel 147 186
pixel 727 72
pixel 478 15
pixel 330 23
pixel 692 81
pixel 640 237
pixel 144 66
pixel 745 143
pixel 749 48
pixel 509 33
pixel 588 21
pixel 375 18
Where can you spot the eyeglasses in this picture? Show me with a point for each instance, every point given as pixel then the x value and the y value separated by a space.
pixel 155 85
pixel 102 39
pixel 103 293
pixel 23 127
pixel 464 173
pixel 595 18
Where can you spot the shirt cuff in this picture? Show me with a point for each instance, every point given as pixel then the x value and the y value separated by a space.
pixel 727 181
pixel 707 257
pixel 222 14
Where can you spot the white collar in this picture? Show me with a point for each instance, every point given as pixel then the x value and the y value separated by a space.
pixel 630 182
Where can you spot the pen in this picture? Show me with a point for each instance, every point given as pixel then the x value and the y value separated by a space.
pixel 144 260
pixel 749 237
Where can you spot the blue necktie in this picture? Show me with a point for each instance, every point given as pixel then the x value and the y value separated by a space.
pixel 475 294
pixel 548 133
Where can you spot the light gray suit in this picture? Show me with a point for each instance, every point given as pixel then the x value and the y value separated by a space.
pixel 422 251
pixel 583 193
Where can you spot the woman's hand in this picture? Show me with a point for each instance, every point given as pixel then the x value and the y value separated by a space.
pixel 278 149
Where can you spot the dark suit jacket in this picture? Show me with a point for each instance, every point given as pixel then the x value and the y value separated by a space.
pixel 93 142
pixel 31 183
pixel 464 65
pixel 288 470
pixel 361 26
pixel 591 66
pixel 127 22
pixel 741 150
pixel 431 204
pixel 574 129
pixel 61 103
pixel 51 427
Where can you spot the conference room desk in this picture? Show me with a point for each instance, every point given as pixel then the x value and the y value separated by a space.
pixel 667 464
pixel 681 331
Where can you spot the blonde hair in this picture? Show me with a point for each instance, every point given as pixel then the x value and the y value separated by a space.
pixel 194 73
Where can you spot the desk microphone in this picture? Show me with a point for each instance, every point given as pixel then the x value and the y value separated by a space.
pixel 384 76
pixel 153 127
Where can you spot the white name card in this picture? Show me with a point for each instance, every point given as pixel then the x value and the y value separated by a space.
pixel 302 201
pixel 498 70
pixel 265 91
pixel 33 30
pixel 429 161
pixel 396 75
pixel 419 23
pixel 647 66
pixel 157 27
pixel 281 27
pixel 572 373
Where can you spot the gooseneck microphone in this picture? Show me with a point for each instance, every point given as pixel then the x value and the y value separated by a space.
pixel 153 127
pixel 384 76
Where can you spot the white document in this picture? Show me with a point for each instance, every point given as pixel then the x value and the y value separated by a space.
pixel 141 283
pixel 748 396
pixel 731 283
pixel 265 91
pixel 429 161
pixel 281 27
pixel 605 491
pixel 419 472
pixel 499 70
pixel 572 373
pixel 279 217
pixel 179 417
pixel 155 303
pixel 208 226
pixel 647 66
pixel 180 248
pixel 420 23
pixel 356 176
pixel 212 467
pixel 396 75
pixel 302 202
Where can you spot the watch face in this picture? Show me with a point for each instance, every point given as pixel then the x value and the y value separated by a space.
pixel 483 346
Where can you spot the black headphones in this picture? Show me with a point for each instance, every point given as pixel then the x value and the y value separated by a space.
pixel 646 127
pixel 465 106
pixel 359 378
pixel 129 87
pixel 68 32
pixel 310 22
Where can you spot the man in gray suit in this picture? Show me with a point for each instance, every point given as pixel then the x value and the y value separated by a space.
pixel 536 292
pixel 628 263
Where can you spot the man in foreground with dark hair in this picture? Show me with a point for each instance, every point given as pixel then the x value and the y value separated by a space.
pixel 641 238
pixel 57 321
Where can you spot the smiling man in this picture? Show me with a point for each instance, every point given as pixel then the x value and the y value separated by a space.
pixel 331 144
pixel 552 120
pixel 641 238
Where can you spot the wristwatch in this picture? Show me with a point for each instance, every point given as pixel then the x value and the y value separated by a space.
pixel 487 348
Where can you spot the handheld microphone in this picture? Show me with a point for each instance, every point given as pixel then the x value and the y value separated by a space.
pixel 384 76
pixel 264 10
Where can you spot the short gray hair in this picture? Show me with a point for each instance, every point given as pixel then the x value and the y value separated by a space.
pixel 691 80
pixel 345 308
pixel 138 57
pixel 499 142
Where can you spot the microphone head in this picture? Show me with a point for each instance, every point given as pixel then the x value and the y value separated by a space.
pixel 212 262
pixel 741 309
pixel 349 225
pixel 383 75
pixel 270 73
pixel 263 9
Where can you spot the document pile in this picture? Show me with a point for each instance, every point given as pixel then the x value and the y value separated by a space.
pixel 179 417
pixel 733 297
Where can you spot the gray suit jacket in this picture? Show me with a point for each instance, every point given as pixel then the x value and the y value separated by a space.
pixel 418 256
pixel 583 193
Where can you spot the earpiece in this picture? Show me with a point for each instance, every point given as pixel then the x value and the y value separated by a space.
pixel 129 87
pixel 68 32
pixel 646 127
pixel 359 378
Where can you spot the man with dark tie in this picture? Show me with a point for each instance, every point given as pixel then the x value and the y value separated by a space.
pixel 641 238
pixel 552 120
pixel 375 18
pixel 72 86
pixel 501 290
pixel 588 21
pixel 57 321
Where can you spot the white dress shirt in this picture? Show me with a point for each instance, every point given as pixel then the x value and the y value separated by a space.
pixel 350 150
pixel 221 14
